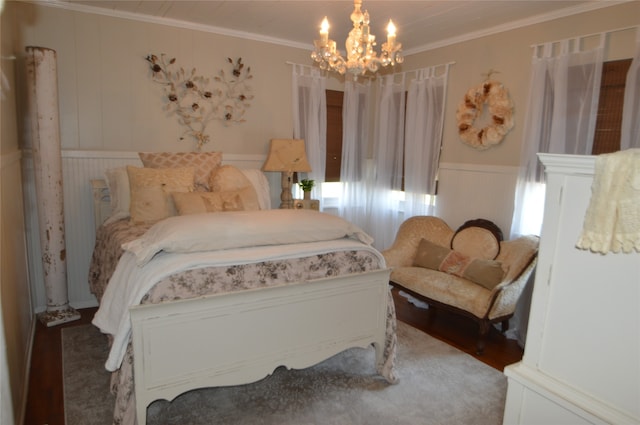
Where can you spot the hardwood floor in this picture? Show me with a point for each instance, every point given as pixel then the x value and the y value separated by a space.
pixel 45 398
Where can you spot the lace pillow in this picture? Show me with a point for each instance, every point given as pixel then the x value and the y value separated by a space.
pixel 487 273
pixel 202 162
pixel 151 190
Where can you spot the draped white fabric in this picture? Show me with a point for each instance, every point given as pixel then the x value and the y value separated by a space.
pixel 384 212
pixel 310 119
pixel 406 149
pixel 355 172
pixel 630 130
pixel 561 118
pixel 424 126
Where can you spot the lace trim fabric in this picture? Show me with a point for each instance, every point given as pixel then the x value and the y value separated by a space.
pixel 612 220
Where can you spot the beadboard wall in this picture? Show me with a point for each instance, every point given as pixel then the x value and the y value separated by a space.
pixel 465 192
pixel 78 168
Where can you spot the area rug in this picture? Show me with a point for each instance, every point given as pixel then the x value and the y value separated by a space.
pixel 438 385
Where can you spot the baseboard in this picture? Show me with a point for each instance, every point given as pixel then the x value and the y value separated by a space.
pixel 578 403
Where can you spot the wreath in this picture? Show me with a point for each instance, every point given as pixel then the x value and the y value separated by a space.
pixel 497 97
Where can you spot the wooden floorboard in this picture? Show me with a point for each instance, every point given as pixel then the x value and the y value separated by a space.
pixel 45 403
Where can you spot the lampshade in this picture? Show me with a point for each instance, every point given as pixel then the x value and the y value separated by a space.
pixel 287 155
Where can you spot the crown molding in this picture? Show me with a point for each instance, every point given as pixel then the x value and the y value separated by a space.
pixel 582 8
pixel 171 22
pixel 538 19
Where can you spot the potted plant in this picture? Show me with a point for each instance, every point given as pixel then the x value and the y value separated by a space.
pixel 306 185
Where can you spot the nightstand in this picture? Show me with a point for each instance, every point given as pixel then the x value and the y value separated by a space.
pixel 306 204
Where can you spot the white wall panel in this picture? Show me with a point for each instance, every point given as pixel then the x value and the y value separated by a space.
pixel 467 191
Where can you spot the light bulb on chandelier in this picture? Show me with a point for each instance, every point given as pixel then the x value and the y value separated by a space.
pixel 359 47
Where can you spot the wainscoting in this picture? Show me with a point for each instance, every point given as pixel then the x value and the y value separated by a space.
pixel 78 168
pixel 466 191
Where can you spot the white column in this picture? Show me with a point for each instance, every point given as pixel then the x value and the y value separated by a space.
pixel 42 93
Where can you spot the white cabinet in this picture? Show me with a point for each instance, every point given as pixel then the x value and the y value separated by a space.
pixel 581 363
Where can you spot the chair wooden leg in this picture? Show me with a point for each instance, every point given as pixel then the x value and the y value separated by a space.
pixel 484 330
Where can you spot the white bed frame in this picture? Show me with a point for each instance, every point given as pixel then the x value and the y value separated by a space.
pixel 242 337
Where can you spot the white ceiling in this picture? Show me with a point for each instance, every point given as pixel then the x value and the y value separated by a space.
pixel 421 24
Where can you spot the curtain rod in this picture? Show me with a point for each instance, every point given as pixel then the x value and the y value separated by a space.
pixel 636 27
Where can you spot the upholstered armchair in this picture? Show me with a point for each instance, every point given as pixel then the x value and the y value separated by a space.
pixel 471 271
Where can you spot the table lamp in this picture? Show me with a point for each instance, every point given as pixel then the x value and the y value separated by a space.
pixel 287 156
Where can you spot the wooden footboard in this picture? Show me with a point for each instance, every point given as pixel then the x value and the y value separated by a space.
pixel 241 337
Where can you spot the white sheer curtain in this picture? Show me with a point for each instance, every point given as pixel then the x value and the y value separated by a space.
pixel 355 171
pixel 310 119
pixel 630 131
pixel 561 118
pixel 423 136
pixel 383 202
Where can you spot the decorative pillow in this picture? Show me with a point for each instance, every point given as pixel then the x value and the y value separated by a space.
pixel 203 202
pixel 478 238
pixel 229 178
pixel 151 190
pixel 487 273
pixel 261 185
pixel 119 193
pixel 202 162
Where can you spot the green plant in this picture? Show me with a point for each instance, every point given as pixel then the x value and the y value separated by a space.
pixel 306 185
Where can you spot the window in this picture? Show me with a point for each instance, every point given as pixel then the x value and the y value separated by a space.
pixel 609 121
pixel 334 135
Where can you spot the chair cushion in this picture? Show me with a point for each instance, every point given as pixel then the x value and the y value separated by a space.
pixel 445 288
pixel 487 273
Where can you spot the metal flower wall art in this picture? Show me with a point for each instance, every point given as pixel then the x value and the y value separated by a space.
pixel 198 100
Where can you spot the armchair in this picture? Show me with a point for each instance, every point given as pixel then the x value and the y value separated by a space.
pixel 432 263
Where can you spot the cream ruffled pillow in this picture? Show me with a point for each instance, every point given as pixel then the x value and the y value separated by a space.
pixel 151 190
pixel 229 178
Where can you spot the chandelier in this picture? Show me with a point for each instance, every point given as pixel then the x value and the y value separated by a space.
pixel 359 46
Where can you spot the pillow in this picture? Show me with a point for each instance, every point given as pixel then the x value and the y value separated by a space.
pixel 119 193
pixel 203 202
pixel 241 229
pixel 261 186
pixel 487 273
pixel 202 162
pixel 478 238
pixel 151 190
pixel 229 178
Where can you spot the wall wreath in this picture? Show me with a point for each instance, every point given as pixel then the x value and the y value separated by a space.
pixel 496 96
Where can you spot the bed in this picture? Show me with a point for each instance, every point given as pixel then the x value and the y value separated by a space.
pixel 230 287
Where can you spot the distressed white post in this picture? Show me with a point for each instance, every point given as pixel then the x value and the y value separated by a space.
pixel 42 93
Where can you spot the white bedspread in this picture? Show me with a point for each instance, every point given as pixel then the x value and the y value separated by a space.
pixel 130 283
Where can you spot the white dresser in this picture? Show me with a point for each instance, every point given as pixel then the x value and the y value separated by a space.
pixel 581 363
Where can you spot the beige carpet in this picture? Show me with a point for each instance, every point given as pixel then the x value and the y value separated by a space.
pixel 438 385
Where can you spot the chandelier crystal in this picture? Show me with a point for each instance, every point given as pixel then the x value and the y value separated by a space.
pixel 359 47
